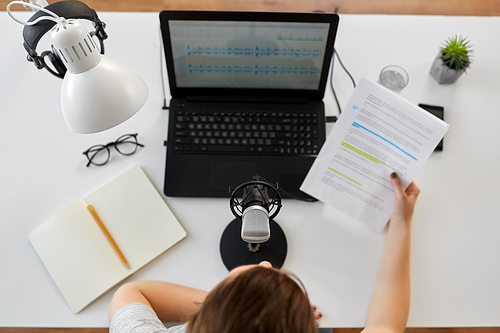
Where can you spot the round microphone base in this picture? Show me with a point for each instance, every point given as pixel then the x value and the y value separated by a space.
pixel 236 252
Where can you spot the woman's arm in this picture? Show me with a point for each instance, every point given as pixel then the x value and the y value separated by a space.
pixel 390 301
pixel 171 302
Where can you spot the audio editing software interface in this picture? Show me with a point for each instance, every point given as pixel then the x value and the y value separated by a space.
pixel 264 55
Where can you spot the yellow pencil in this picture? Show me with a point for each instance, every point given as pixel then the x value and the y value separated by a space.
pixel 108 236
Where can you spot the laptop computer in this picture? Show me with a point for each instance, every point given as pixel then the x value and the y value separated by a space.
pixel 247 90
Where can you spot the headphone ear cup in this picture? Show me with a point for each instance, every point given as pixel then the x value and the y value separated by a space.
pixel 55 61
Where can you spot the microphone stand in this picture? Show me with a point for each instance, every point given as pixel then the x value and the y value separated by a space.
pixel 252 247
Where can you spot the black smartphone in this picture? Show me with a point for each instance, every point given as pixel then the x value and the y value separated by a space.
pixel 438 111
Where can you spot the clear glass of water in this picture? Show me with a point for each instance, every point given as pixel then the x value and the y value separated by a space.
pixel 394 78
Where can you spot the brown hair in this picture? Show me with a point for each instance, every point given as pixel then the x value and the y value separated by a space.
pixel 259 300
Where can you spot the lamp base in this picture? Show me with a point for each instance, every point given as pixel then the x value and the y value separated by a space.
pixel 236 252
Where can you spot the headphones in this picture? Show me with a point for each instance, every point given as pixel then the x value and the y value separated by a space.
pixel 68 10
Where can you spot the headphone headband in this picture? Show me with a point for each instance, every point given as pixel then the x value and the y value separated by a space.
pixel 67 9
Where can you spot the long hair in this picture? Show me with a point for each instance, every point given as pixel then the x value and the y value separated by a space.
pixel 259 300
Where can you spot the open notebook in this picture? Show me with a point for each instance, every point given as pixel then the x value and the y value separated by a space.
pixel 80 258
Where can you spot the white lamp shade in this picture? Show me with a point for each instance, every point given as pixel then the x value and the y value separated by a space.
pixel 101 97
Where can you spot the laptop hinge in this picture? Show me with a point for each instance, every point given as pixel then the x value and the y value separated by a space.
pixel 246 99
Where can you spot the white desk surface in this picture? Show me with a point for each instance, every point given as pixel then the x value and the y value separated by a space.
pixel 455 266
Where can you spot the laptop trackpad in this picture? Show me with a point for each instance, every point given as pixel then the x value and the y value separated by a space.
pixel 229 173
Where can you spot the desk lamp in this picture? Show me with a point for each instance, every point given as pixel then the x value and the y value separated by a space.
pixel 98 92
pixel 254 236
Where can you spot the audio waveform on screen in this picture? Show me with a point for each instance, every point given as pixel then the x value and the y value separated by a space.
pixel 297 39
pixel 253 51
pixel 216 69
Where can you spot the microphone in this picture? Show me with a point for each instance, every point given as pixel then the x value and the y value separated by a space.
pixel 247 239
pixel 255 218
pixel 260 202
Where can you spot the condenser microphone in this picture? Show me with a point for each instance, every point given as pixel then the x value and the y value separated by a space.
pixel 247 239
pixel 255 219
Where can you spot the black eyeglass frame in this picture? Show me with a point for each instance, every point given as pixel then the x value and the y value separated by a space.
pixel 122 139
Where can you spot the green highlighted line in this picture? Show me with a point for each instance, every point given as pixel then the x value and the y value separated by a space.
pixel 371 158
pixel 352 180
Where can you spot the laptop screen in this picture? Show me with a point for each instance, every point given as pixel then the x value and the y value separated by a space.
pixel 252 52
pixel 229 54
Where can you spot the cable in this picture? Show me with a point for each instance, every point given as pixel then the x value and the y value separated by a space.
pixel 291 196
pixel 165 107
pixel 335 53
pixel 288 195
pixel 52 17
pixel 331 84
pixel 341 64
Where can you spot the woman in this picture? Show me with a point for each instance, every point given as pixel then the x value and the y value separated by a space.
pixel 259 298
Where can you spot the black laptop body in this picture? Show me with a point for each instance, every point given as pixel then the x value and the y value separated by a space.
pixel 247 90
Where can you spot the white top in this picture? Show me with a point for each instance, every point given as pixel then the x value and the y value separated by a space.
pixel 455 269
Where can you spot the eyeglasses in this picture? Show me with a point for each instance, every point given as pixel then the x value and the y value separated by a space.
pixel 125 145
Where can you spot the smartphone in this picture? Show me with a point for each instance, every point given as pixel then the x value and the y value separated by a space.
pixel 438 111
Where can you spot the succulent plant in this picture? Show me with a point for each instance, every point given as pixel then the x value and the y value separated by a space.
pixel 456 53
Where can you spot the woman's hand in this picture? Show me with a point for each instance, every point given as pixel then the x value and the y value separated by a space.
pixel 404 203
pixel 317 315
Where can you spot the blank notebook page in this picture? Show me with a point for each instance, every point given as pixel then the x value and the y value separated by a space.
pixel 80 258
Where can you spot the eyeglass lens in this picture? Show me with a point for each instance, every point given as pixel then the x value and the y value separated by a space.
pixel 98 155
pixel 126 144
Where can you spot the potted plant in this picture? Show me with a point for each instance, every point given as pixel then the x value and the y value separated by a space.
pixel 453 59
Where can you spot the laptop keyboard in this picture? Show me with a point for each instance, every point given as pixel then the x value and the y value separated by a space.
pixel 237 132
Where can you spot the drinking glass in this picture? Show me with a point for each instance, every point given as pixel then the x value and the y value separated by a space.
pixel 394 78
